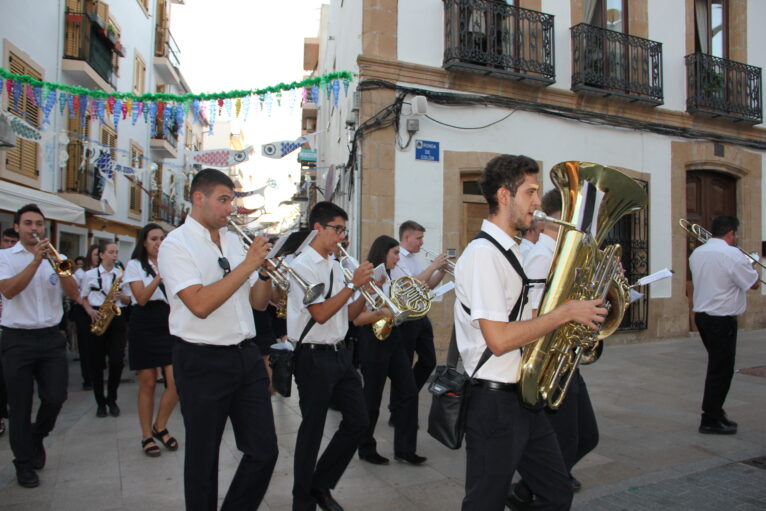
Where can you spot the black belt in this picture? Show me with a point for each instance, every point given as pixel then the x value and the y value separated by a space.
pixel 494 385
pixel 238 346
pixel 31 331
pixel 324 347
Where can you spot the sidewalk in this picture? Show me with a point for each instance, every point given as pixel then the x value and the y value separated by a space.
pixel 650 456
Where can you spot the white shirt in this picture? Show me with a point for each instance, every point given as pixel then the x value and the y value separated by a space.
pixel 524 247
pixel 78 275
pixel 39 304
pixel 721 275
pixel 487 284
pixel 537 264
pixel 135 273
pixel 95 294
pixel 188 257
pixel 408 265
pixel 314 268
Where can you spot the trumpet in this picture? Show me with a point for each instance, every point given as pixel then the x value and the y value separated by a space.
pixel 450 264
pixel 382 327
pixel 310 291
pixel 703 235
pixel 62 267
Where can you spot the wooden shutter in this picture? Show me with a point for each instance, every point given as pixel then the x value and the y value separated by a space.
pixel 24 159
pixel 137 162
pixel 76 174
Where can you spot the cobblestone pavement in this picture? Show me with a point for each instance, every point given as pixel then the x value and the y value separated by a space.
pixel 650 455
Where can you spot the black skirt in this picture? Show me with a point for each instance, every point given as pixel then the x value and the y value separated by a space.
pixel 150 344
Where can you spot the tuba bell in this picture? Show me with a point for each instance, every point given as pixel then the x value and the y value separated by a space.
pixel 594 198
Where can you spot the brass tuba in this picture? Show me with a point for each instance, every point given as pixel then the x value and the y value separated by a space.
pixel 594 198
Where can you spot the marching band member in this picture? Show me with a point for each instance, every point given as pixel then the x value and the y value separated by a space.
pixel 387 359
pixel 151 344
pixel 491 325
pixel 574 421
pixel 8 239
pixel 530 238
pixel 213 286
pixel 33 350
pixel 82 320
pixel 323 365
pixel 721 276
pixel 418 335
pixel 96 285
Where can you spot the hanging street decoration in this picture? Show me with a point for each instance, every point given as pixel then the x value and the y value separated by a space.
pixel 21 128
pixel 222 157
pixel 285 147
pixel 161 111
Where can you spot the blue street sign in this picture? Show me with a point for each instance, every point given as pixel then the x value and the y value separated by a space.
pixel 426 150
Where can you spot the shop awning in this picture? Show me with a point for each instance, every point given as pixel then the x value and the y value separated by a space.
pixel 13 197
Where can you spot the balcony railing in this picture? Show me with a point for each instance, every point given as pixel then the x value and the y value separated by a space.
pixel 723 88
pixel 81 178
pixel 164 208
pixel 492 38
pixel 166 46
pixel 85 40
pixel 609 63
pixel 170 135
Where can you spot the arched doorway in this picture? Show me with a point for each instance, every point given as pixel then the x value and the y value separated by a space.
pixel 708 195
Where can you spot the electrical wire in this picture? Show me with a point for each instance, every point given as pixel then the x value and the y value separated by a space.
pixel 470 127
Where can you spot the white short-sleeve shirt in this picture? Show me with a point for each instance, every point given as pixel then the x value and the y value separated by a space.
pixel 135 273
pixel 537 264
pixel 524 247
pixel 39 304
pixel 314 268
pixel 408 265
pixel 721 275
pixel 188 257
pixel 96 294
pixel 487 284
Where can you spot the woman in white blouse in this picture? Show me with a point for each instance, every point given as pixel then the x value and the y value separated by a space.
pixel 150 343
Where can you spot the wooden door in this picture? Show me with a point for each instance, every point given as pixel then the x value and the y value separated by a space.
pixel 708 195
pixel 474 209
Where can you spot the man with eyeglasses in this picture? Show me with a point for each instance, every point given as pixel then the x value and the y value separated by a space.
pixel 212 284
pixel 323 365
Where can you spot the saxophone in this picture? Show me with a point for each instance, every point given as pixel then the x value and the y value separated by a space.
pixel 594 198
pixel 109 309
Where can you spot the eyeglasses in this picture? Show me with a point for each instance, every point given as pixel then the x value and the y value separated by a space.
pixel 340 229
pixel 225 266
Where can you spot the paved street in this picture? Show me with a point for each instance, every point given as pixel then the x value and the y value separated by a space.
pixel 650 456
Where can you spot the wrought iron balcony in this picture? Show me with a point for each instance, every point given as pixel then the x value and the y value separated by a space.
pixel 164 208
pixel 608 63
pixel 86 41
pixel 719 87
pixel 492 38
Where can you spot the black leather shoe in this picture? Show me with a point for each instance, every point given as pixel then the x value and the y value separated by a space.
pixel 726 422
pixel 101 411
pixel 27 477
pixel 576 484
pixel 324 500
pixel 38 457
pixel 114 410
pixel 409 457
pixel 717 428
pixel 374 458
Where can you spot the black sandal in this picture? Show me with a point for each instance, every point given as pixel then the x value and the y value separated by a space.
pixel 171 444
pixel 150 448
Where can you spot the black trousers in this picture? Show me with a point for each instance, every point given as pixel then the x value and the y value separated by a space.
pixel 418 338
pixel 503 436
pixel 322 376
pixel 30 356
pixel 575 423
pixel 3 394
pixel 109 346
pixel 215 384
pixel 388 359
pixel 719 335
pixel 82 326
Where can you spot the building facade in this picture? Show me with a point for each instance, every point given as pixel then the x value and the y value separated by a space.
pixel 124 46
pixel 668 92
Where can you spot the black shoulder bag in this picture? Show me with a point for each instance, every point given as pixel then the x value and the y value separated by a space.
pixel 450 389
pixel 282 362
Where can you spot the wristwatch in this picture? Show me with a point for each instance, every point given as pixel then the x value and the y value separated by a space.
pixel 351 286
pixel 264 277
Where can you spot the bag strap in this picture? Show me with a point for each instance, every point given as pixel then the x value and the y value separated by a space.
pixel 452 352
pixel 312 321
pixel 150 271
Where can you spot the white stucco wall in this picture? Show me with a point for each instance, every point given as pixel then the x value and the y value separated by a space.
pixel 420 32
pixel 419 184
pixel 667 25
